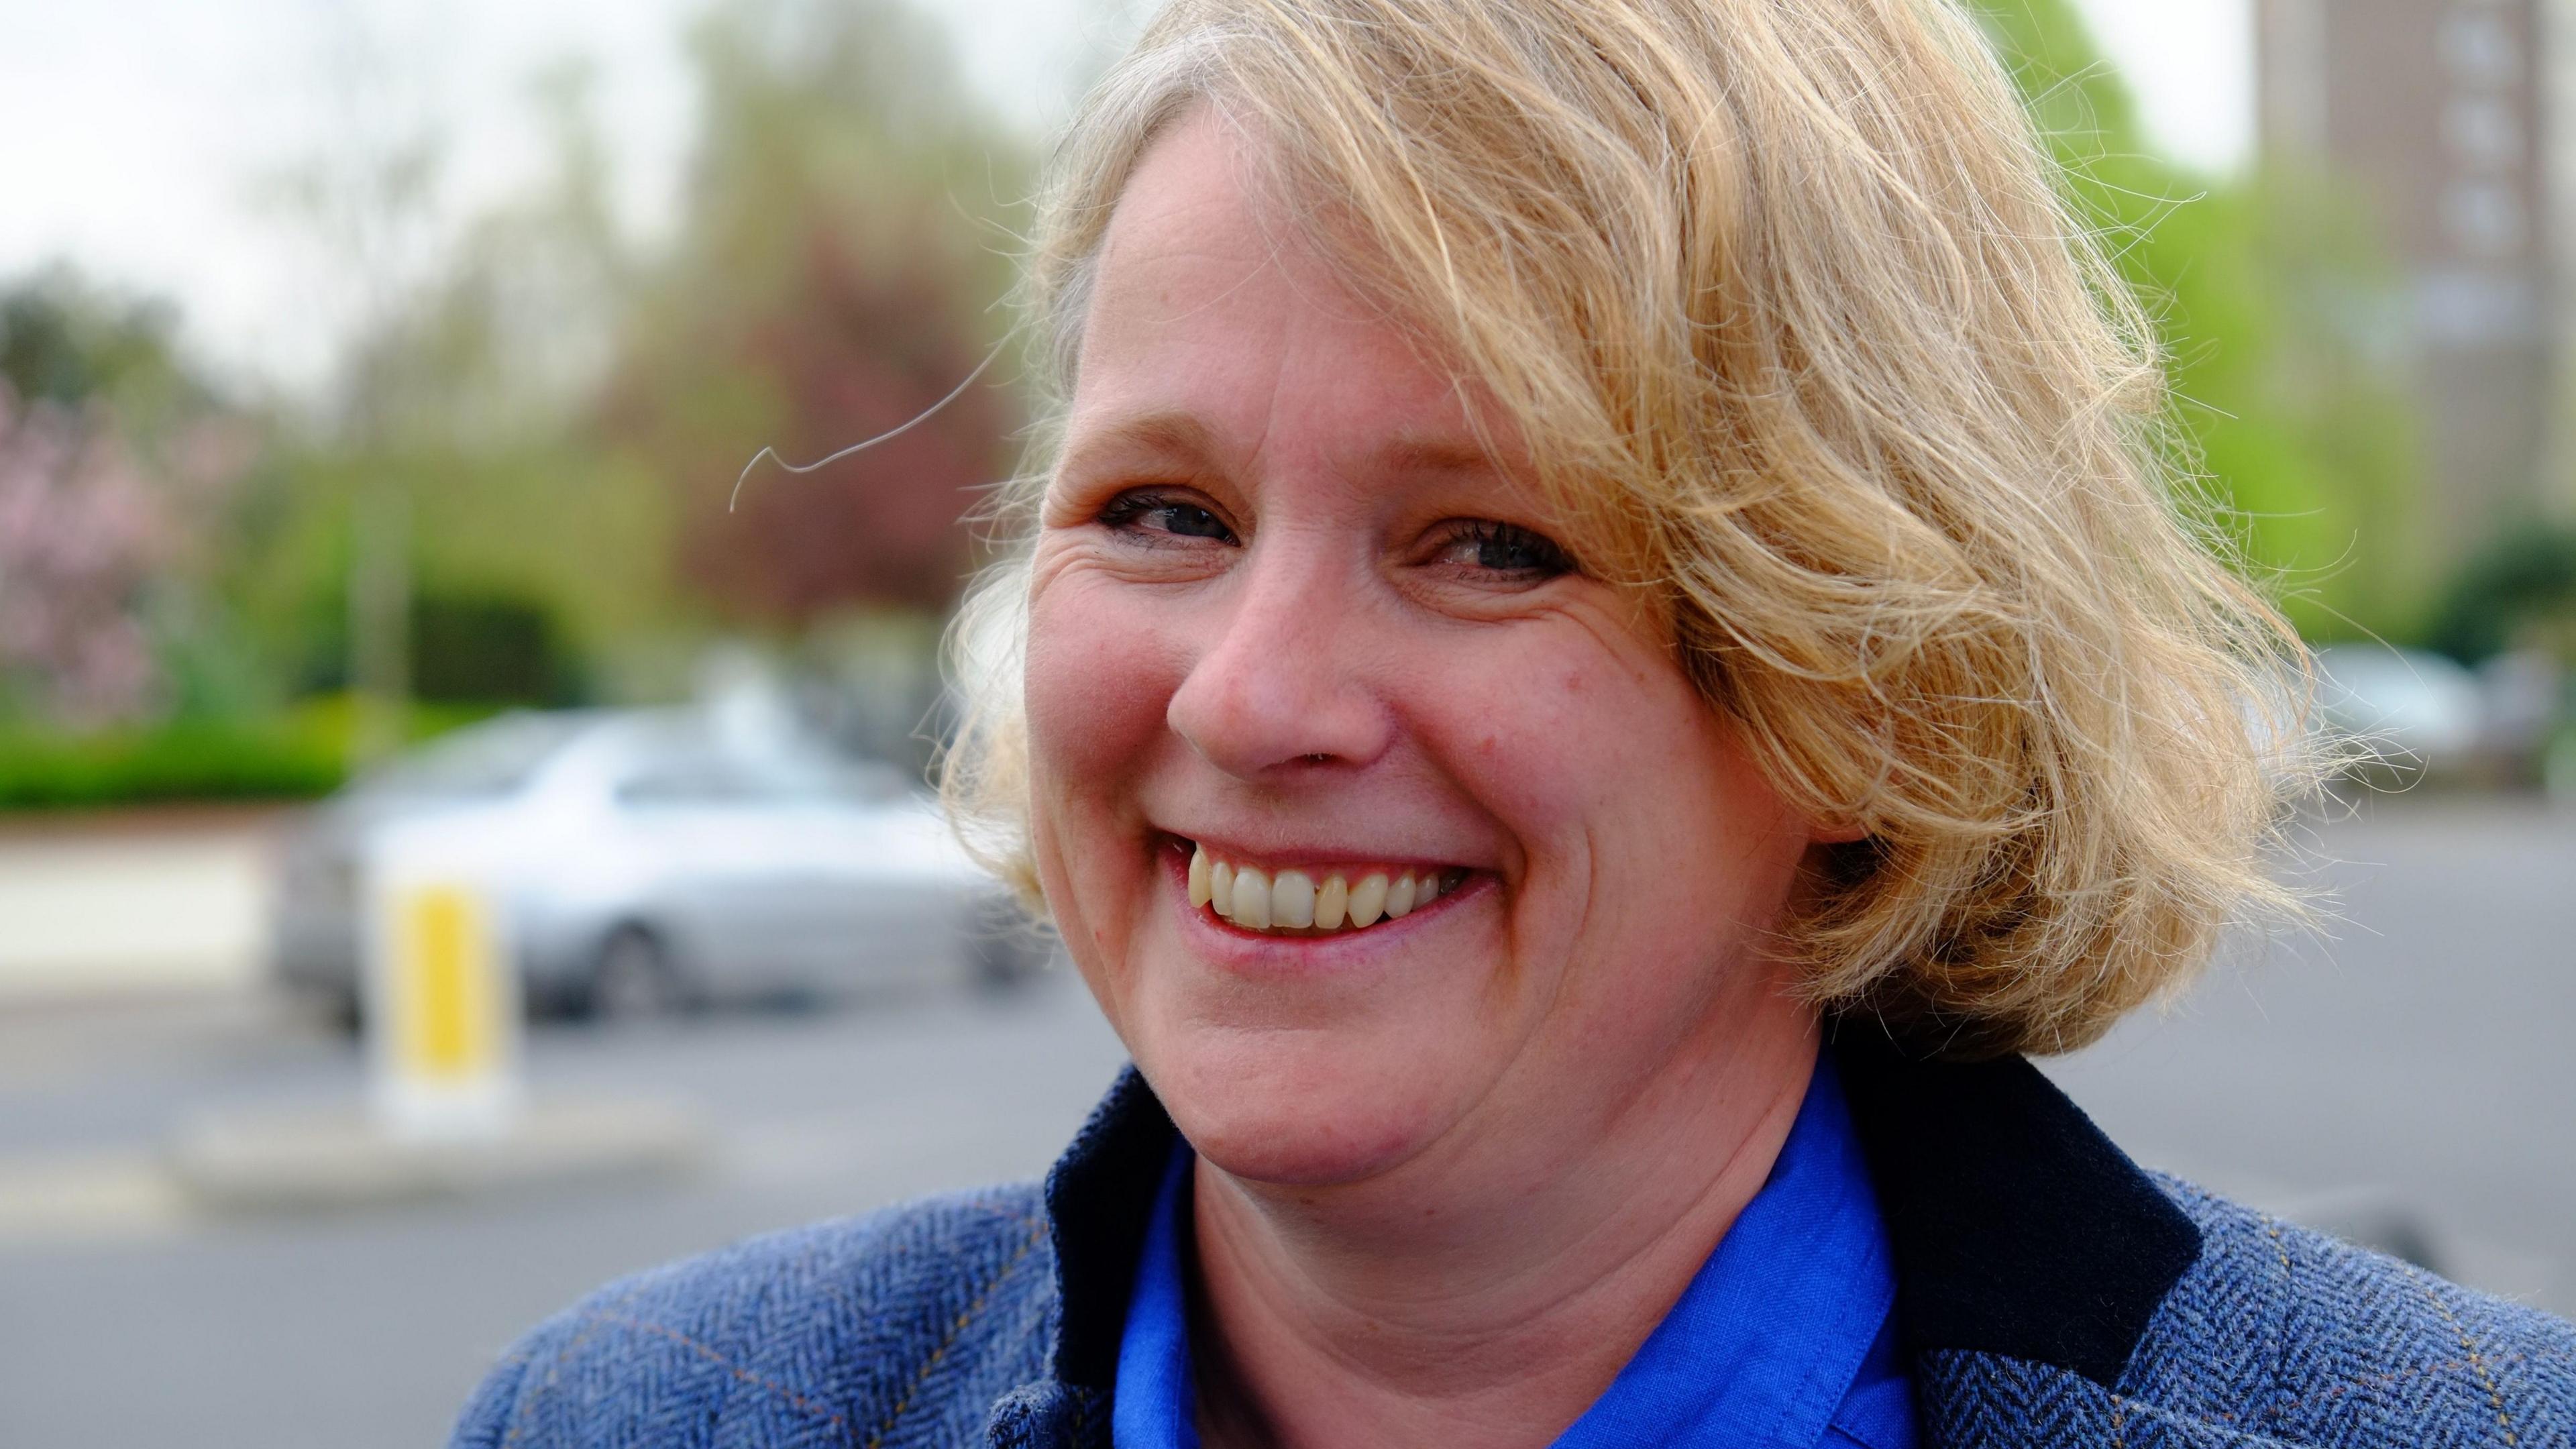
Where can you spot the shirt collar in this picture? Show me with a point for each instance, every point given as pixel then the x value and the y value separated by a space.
pixel 1155 1406
pixel 1762 1349
pixel 2018 1228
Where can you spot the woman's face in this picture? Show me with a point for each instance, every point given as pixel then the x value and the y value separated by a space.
pixel 1286 613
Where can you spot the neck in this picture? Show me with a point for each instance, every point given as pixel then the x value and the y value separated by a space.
pixel 1489 1291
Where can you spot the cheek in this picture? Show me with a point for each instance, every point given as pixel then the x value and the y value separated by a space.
pixel 1099 681
pixel 1618 781
pixel 1096 685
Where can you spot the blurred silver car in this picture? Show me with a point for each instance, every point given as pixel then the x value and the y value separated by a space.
pixel 650 860
pixel 2403 709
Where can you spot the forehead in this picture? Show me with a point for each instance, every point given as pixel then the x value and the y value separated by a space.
pixel 1213 314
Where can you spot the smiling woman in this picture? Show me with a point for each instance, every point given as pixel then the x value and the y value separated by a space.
pixel 1603 638
pixel 1773 320
pixel 1286 613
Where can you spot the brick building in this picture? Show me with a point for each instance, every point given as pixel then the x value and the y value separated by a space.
pixel 2449 118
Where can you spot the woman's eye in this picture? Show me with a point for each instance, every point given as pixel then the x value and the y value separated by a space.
pixel 1148 513
pixel 1505 548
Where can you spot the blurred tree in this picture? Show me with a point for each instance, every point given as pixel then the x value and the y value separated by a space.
pixel 567 411
pixel 470 398
pixel 62 341
pixel 2519 591
pixel 835 277
pixel 116 468
pixel 2274 314
pixel 488 648
pixel 82 532
pixel 366 200
pixel 497 374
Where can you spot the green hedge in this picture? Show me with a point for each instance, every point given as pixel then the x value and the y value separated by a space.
pixel 296 756
pixel 2527 575
pixel 210 761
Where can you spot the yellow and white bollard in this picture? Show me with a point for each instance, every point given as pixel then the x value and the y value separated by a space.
pixel 443 989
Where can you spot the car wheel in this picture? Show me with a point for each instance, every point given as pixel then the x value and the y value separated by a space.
pixel 636 979
pixel 344 1014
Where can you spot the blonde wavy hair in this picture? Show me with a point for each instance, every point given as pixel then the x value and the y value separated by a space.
pixel 1803 337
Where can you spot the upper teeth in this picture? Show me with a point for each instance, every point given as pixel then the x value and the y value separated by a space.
pixel 1292 900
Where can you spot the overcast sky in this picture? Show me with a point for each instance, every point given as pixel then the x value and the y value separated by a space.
pixel 135 134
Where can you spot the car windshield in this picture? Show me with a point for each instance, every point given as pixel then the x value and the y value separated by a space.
pixel 685 769
pixel 820 774
pixel 493 758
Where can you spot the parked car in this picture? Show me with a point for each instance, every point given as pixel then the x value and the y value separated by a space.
pixel 2413 711
pixel 649 860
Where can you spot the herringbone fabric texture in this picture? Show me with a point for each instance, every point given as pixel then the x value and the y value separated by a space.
pixel 2281 1336
pixel 904 1330
pixel 931 1325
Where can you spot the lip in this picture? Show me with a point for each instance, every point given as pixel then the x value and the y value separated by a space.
pixel 1262 952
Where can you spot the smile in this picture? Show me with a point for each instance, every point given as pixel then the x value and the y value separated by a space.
pixel 1312 902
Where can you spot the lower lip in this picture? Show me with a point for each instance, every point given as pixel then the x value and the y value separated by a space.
pixel 1232 945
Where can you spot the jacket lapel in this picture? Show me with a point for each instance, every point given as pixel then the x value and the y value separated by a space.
pixel 1099 1195
pixel 2030 1253
pixel 2018 1228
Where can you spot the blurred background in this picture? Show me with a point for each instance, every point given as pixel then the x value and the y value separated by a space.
pixel 374 377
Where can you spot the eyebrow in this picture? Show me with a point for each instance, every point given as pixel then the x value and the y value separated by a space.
pixel 1181 435
pixel 1172 434
pixel 1437 453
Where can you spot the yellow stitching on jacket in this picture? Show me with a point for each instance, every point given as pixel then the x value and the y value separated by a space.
pixel 839 1293
pixel 728 1365
pixel 2367 1382
pixel 895 1415
pixel 555 1362
pixel 2495 1396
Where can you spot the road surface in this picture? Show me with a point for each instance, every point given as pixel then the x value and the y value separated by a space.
pixel 2416 1064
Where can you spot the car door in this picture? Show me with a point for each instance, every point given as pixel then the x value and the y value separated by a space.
pixel 872 916
pixel 720 867
pixel 897 892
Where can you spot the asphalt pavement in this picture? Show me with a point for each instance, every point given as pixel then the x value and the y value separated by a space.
pixel 2412 1069
pixel 2415 1062
pixel 126 1321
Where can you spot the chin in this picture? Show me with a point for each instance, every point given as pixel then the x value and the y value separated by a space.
pixel 1299 1107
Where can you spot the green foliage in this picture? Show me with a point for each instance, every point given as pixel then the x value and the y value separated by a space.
pixel 119 471
pixel 63 340
pixel 2270 309
pixel 294 755
pixel 473 404
pixel 843 255
pixel 2520 590
pixel 199 760
pixel 566 412
pixel 474 648
pixel 490 647
pixel 558 414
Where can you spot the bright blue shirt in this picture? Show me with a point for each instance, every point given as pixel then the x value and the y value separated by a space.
pixel 1783 1340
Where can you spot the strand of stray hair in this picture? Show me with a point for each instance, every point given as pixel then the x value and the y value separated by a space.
pixel 925 415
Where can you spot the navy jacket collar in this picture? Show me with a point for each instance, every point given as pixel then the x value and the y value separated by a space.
pixel 2018 1228
pixel 1099 1196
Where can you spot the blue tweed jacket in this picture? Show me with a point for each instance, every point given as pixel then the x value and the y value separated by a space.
pixel 2050 1294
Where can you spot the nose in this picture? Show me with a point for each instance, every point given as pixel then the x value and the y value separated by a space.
pixel 1278 684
